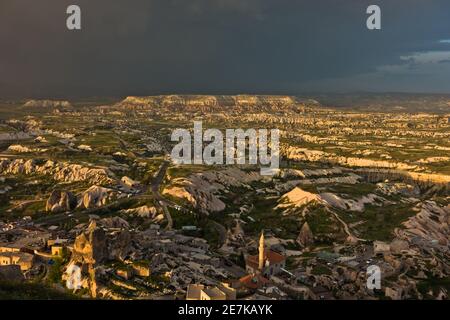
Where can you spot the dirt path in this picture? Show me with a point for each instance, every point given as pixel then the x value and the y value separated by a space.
pixel 345 225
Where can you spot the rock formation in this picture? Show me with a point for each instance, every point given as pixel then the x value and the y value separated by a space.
pixel 207 103
pixel 399 245
pixel 96 196
pixel 429 228
pixel 297 198
pixel 17 148
pixel 47 104
pixel 102 241
pixel 114 223
pixel 60 171
pixel 90 247
pixel 143 212
pixel 202 190
pixel 61 201
pixel 305 237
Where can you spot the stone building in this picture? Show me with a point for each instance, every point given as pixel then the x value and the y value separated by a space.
pixel 201 292
pixel 58 250
pixel 9 248
pixel 380 248
pixel 22 259
pixel 267 262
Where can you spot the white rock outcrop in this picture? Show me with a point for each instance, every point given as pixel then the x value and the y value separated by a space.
pixel 60 171
pixel 297 198
pixel 47 103
pixel 202 190
pixel 96 196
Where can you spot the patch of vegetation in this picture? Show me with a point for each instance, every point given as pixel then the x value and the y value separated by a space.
pixel 55 271
pixel 181 219
pixel 321 221
pixel 32 291
pixel 320 269
pixel 434 285
pixel 266 217
pixel 380 222
pixel 359 189
pixel 211 234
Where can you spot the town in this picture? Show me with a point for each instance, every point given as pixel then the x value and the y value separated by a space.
pixel 93 188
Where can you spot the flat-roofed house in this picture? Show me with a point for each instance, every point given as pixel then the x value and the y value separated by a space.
pixel 194 291
pixel 212 293
pixel 9 248
pixel 201 292
pixel 228 290
pixel 58 250
pixel 24 260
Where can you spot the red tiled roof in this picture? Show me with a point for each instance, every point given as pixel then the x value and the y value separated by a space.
pixel 273 257
pixel 254 264
pixel 269 255
pixel 253 281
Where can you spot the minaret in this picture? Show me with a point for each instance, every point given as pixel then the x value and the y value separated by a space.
pixel 261 252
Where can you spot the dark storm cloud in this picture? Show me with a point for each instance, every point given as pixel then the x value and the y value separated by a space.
pixel 212 46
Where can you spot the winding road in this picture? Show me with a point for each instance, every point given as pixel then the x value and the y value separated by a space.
pixel 160 200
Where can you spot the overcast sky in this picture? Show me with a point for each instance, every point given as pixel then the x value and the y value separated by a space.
pixel 143 47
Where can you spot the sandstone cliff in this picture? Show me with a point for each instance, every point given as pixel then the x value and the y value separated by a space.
pixel 96 196
pixel 205 102
pixel 429 228
pixel 61 201
pixel 388 169
pixel 47 103
pixel 305 237
pixel 60 171
pixel 202 190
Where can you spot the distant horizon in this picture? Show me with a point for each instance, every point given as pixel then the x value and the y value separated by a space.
pixel 299 95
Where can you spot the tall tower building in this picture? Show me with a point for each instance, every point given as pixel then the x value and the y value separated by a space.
pixel 261 252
